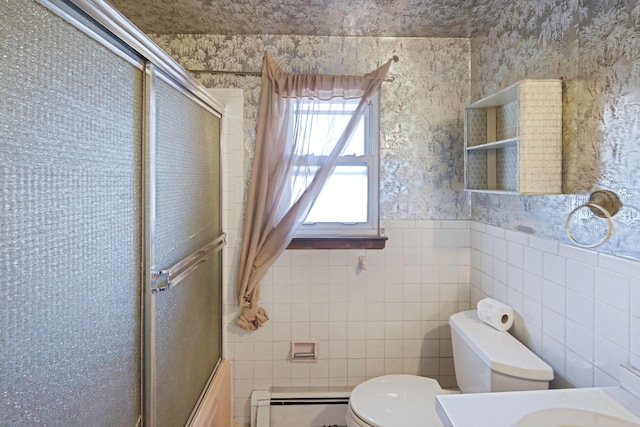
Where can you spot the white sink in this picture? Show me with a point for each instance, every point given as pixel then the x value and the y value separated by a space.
pixel 573 417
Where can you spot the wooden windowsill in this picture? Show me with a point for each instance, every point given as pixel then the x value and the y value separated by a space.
pixel 338 243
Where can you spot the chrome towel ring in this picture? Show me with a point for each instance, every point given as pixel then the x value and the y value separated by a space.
pixel 603 204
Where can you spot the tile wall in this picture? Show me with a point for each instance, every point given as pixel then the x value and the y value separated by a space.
pixel 390 318
pixel 578 309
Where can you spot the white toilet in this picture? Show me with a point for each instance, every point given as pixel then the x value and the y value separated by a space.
pixel 485 360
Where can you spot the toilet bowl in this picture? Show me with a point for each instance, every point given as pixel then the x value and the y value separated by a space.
pixel 485 360
pixel 394 400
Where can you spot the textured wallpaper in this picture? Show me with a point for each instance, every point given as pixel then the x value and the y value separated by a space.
pixel 421 124
pixel 363 18
pixel 595 48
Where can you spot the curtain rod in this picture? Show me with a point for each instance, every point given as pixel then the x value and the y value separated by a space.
pixel 259 74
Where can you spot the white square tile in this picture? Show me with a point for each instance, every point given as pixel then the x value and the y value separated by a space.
pixel 393 330
pixel 411 366
pixel 337 331
pixel 282 369
pixel 580 340
pixel 393 366
pixel 299 330
pixel 375 293
pixel 486 284
pixel 517 237
pixel 356 330
pixel 612 324
pixel 393 311
pixel 448 274
pixel 338 312
pixel 553 324
pixel 375 349
pixel 544 245
pixel 487 244
pixel 603 379
pixel 410 238
pixel 554 296
pixel 500 249
pixel 533 286
pixel 476 240
pixel 487 264
pixel 393 349
pixel 374 368
pixel 411 255
pixel 499 291
pixel 612 289
pixel 412 330
pixel 318 312
pixel 627 267
pixel 375 330
pixel 300 312
pixel 533 260
pixel 357 349
pixel 375 311
pixel 337 349
pixel 338 368
pixel 356 311
pixel 496 231
pixel 515 254
pixel 553 353
pixel 411 311
pixel 609 356
pixel 579 371
pixel 430 348
pixel 580 309
pixel 554 268
pixel 319 369
pixel 584 256
pixel 475 225
pixel 319 331
pixel 429 237
pixel 532 312
pixel 448 237
pixel 581 277
pixel 411 348
pixel 515 278
pixel 500 270
pixel 515 299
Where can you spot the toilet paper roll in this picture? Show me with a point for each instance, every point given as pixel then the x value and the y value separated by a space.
pixel 496 314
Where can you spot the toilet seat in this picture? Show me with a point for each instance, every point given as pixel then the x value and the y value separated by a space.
pixel 395 401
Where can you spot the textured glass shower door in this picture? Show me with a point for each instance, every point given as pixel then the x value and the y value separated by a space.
pixel 185 230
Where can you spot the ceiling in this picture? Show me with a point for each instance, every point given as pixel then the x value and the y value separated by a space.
pixel 364 18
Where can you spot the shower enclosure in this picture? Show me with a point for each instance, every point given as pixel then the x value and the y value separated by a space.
pixel 110 228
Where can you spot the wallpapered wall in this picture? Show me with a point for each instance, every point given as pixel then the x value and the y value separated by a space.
pixel 594 47
pixel 421 128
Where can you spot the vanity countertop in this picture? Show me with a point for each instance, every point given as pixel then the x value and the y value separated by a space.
pixel 507 408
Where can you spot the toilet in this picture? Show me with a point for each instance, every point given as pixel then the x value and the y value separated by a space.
pixel 485 360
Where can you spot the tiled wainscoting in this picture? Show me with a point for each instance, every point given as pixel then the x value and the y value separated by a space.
pixel 390 318
pixel 578 309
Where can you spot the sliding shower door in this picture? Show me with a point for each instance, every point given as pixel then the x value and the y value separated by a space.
pixel 183 311
pixel 70 225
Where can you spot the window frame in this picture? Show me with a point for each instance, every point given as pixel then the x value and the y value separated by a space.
pixel 361 235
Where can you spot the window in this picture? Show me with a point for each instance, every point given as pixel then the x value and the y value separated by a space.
pixel 348 203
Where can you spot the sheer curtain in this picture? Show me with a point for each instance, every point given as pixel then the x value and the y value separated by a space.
pixel 296 152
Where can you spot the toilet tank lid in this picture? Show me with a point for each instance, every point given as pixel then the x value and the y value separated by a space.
pixel 499 350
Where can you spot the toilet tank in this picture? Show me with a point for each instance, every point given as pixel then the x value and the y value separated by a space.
pixel 486 359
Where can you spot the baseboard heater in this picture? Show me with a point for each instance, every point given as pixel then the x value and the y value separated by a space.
pixel 300 407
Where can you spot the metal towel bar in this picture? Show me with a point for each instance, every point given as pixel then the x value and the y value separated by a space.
pixel 170 277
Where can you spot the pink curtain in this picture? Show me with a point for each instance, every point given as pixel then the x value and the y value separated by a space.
pixel 273 214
